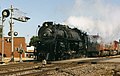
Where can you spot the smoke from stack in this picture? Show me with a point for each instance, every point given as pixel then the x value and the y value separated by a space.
pixel 96 17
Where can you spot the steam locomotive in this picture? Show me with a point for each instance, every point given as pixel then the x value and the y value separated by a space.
pixel 58 42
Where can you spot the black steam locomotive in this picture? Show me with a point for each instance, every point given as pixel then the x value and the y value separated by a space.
pixel 59 42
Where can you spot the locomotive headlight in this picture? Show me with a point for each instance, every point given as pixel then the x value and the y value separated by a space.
pixel 46 25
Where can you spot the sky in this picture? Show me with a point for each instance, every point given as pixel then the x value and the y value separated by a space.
pixel 93 16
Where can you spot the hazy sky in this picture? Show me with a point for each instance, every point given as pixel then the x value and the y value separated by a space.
pixel 94 16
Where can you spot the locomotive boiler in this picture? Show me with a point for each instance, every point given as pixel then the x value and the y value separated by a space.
pixel 59 42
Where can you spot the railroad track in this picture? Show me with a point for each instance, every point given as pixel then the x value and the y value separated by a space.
pixel 12 69
pixel 44 71
pixel 23 69
pixel 95 59
pixel 62 68
pixel 34 69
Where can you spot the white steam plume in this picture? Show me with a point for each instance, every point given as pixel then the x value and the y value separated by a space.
pixel 96 17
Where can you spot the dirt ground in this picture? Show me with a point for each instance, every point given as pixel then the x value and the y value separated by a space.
pixel 107 69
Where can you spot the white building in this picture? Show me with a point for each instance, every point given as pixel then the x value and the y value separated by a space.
pixel 30 51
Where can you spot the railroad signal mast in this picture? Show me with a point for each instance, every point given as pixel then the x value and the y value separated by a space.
pixel 6 13
pixel 12 36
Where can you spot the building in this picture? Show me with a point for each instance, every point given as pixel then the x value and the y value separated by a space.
pixel 30 52
pixel 18 42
